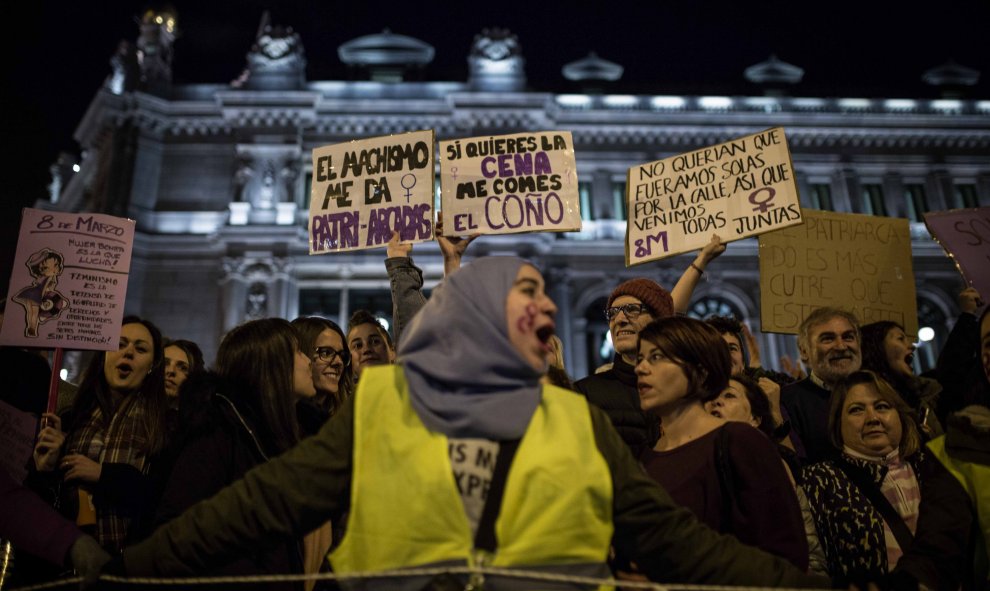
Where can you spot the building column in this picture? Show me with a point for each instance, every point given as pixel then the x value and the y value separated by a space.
pixel 942 196
pixel 893 195
pixel 562 297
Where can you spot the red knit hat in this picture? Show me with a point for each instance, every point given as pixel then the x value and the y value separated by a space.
pixel 647 291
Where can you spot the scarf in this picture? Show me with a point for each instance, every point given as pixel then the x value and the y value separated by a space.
pixel 123 441
pixel 465 377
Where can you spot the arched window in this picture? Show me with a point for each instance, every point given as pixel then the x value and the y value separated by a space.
pixel 714 306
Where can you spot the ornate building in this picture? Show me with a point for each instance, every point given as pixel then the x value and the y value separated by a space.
pixel 217 175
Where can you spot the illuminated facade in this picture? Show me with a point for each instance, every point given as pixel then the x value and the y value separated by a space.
pixel 217 176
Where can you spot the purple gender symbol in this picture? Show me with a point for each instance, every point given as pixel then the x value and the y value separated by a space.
pixel 453 172
pixel 762 206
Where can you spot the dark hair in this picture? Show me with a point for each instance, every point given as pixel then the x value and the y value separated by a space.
pixel 759 405
pixel 360 317
pixel 94 391
pixel 910 441
pixel 257 359
pixel 309 328
pixel 730 325
pixel 872 339
pixel 192 351
pixel 699 351
pixel 34 263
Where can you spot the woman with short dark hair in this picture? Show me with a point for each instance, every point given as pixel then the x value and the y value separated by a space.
pixel 727 473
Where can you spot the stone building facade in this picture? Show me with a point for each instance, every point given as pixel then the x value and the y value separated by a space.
pixel 217 176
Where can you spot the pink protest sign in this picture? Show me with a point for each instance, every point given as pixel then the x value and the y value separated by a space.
pixel 965 236
pixel 69 281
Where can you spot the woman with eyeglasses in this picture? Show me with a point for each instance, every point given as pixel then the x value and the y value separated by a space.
pixel 323 341
pixel 236 417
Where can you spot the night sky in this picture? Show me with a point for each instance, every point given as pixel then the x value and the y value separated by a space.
pixel 56 53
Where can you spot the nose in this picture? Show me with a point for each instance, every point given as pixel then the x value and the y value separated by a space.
pixel 169 370
pixel 642 368
pixel 549 306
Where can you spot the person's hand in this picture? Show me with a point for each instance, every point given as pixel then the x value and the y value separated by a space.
pixel 752 346
pixel 88 559
pixel 791 368
pixel 395 248
pixel 49 445
pixel 79 467
pixel 710 252
pixel 970 300
pixel 772 390
pixel 452 247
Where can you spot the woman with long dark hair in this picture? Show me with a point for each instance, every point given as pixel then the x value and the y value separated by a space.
pixel 238 416
pixel 325 344
pixel 98 466
pixel 889 353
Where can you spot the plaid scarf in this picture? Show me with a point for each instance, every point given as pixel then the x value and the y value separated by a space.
pixel 122 442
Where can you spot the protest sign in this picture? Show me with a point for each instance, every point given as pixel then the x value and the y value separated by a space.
pixel 17 430
pixel 69 281
pixel 860 263
pixel 965 236
pixel 364 190
pixel 509 184
pixel 736 189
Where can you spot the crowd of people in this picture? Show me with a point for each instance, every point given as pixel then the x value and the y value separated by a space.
pixel 461 440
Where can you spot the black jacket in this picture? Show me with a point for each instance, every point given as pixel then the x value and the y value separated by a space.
pixel 614 391
pixel 219 440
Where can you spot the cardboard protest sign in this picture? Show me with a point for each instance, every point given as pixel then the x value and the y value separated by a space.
pixel 509 184
pixel 69 281
pixel 861 263
pixel 364 190
pixel 17 429
pixel 965 236
pixel 736 189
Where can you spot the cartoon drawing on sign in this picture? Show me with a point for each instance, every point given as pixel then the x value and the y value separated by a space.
pixel 40 300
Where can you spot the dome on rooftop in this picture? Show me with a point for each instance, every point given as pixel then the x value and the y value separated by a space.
pixel 951 74
pixel 774 71
pixel 592 67
pixel 386 48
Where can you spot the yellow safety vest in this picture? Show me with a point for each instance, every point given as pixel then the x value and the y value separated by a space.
pixel 406 510
pixel 975 479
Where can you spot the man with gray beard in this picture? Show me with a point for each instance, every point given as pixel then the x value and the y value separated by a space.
pixel 828 342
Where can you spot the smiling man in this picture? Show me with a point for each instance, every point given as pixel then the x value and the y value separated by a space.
pixel 828 342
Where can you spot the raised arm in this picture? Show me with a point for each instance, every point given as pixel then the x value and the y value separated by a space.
pixel 406 281
pixel 689 279
pixel 452 247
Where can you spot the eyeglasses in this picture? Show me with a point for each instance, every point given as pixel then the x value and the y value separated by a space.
pixel 632 311
pixel 328 354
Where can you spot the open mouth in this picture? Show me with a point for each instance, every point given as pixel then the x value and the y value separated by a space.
pixel 124 369
pixel 716 413
pixel 909 359
pixel 544 333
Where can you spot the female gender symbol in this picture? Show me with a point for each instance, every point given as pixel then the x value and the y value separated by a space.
pixel 762 206
pixel 408 189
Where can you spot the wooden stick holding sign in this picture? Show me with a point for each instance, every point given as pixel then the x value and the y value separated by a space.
pixel 510 184
pixel 736 189
pixel 365 190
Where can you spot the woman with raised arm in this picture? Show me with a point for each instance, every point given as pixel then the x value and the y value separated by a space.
pixel 457 455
